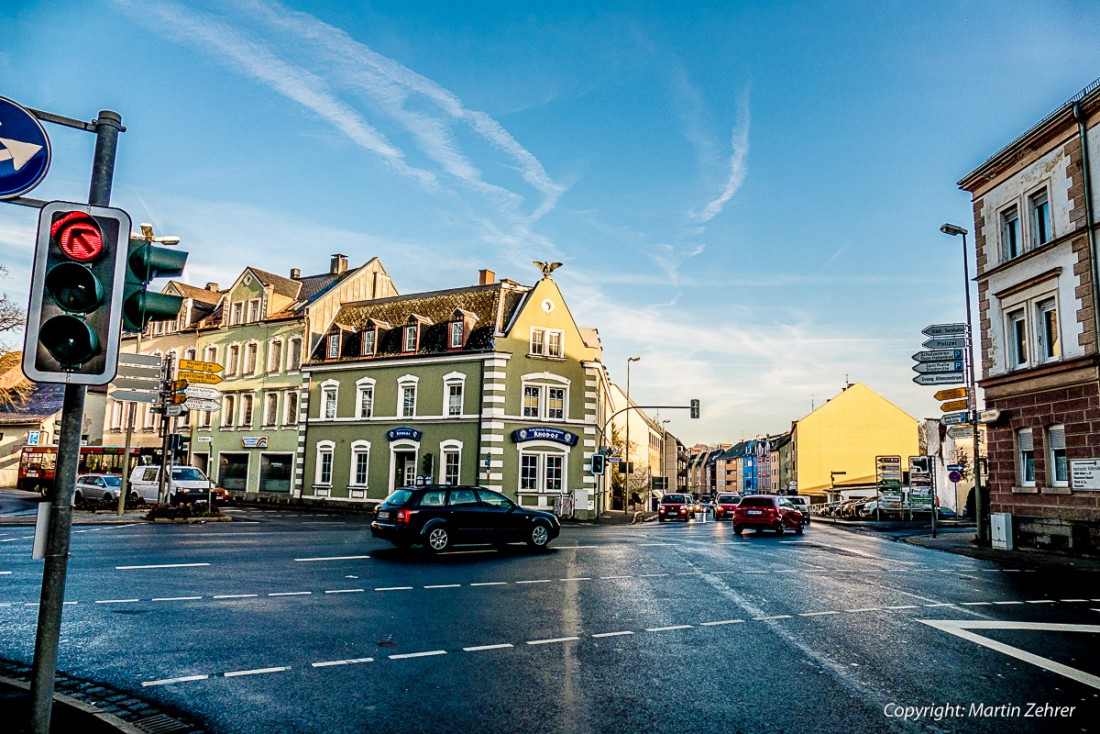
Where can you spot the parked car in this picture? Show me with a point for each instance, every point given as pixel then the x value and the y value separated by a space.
pixel 96 487
pixel 676 506
pixel 766 512
pixel 182 484
pixel 441 516
pixel 802 504
pixel 724 505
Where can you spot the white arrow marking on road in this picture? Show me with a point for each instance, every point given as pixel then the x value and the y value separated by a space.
pixel 18 152
pixel 961 628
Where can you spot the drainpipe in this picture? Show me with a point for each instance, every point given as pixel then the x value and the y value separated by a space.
pixel 1090 221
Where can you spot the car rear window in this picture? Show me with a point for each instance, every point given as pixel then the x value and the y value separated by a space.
pixel 399 497
pixel 727 498
pixel 113 481
pixel 756 502
pixel 674 498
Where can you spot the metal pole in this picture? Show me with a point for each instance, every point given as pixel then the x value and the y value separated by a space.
pixel 56 563
pixel 628 472
pixel 981 505
pixel 165 420
pixel 935 490
pixel 131 415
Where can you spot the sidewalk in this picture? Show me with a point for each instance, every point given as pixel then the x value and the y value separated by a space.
pixel 962 542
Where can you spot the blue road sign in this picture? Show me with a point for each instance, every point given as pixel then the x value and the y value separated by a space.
pixel 24 150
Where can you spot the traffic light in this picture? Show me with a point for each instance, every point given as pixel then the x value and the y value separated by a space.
pixel 695 408
pixel 144 262
pixel 76 295
pixel 598 463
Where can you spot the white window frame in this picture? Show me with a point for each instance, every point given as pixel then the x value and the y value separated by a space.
pixel 275 357
pixel 1018 354
pixel 251 364
pixel 269 396
pixel 253 310
pixel 247 399
pixel 232 359
pixel 290 408
pixel 457 334
pixel 364 385
pixel 403 383
pixel 332 346
pixel 1025 457
pixel 117 412
pixel 452 380
pixel 541 453
pixel 1011 236
pixel 1056 442
pixel 1045 350
pixel 363 351
pixel 359 448
pixel 294 349
pixel 321 450
pixel 229 410
pixel 237 308
pixel 1038 207
pixel 450 449
pixel 210 354
pixel 543 382
pixel 329 387
pixel 410 338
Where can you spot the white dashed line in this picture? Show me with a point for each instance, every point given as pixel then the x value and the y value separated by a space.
pixel 551 641
pixel 331 558
pixel 613 634
pixel 168 681
pixel 864 609
pixel 817 614
pixel 5 573
pixel 393 588
pixel 602 578
pixel 721 622
pixel 176 598
pixel 290 593
pixel 1040 601
pixel 482 648
pixel 351 661
pixel 118 601
pixel 1002 603
pixel 668 628
pixel 577 578
pixel 903 606
pixel 444 586
pixel 344 591
pixel 408 655
pixel 235 596
pixel 940 604
pixel 777 616
pixel 976 604
pixel 161 565
pixel 536 581
pixel 652 575
pixel 1073 601
pixel 490 583
pixel 257 671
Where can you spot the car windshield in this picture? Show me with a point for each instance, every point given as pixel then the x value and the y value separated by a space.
pixel 756 502
pixel 727 498
pixel 399 497
pixel 187 474
pixel 671 498
pixel 113 481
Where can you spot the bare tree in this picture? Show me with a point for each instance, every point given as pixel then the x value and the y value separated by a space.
pixel 12 316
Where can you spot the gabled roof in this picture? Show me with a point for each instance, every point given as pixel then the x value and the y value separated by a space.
pixel 283 286
pixel 202 295
pixel 493 305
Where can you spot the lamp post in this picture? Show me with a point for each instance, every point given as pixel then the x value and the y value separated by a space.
pixel 981 506
pixel 629 468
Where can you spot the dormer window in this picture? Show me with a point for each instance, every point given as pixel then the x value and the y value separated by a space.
pixel 333 350
pixel 457 333
pixel 370 336
pixel 410 337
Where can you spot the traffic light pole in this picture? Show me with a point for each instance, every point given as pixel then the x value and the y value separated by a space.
pixel 165 425
pixel 107 127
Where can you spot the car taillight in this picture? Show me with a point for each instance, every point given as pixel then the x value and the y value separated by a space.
pixel 404 515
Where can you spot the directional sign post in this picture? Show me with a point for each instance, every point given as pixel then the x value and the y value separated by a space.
pixel 953 405
pixel 945 378
pixel 190 365
pixel 24 150
pixel 203 393
pixel 952 419
pixel 950 394
pixel 944 330
pixel 205 378
pixel 201 404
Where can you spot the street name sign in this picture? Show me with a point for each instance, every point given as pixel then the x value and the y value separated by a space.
pixel 190 365
pixel 944 330
pixel 989 416
pixel 954 418
pixel 203 393
pixel 174 410
pixel 941 342
pixel 132 383
pixel 134 396
pixel 206 378
pixel 24 150
pixel 963 430
pixel 953 405
pixel 141 372
pixel 944 378
pixel 145 360
pixel 926 368
pixel 939 355
pixel 950 394
pixel 201 404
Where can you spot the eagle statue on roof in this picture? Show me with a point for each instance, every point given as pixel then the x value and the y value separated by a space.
pixel 546 268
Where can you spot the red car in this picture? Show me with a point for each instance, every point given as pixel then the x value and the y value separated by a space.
pixel 766 512
pixel 676 507
pixel 724 505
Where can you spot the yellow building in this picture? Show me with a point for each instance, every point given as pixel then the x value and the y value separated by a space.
pixel 836 444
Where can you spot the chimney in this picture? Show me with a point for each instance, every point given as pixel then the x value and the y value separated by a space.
pixel 339 264
pixel 295 273
pixel 212 287
pixel 486 277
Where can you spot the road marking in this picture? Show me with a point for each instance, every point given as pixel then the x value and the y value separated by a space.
pixel 903 606
pixel 350 661
pixel 167 681
pixel 5 573
pixel 408 655
pixel 613 634
pixel 1008 602
pixel 176 598
pixel 481 648
pixel 657 545
pixel 817 614
pixel 721 622
pixel 161 565
pixel 118 601
pixel 550 641
pixel 1041 601
pixel 490 583
pixel 290 593
pixel 864 609
pixel 652 575
pixel 575 547
pixel 976 604
pixel 668 628
pixel 602 578
pixel 256 671
pixel 331 558
pixel 235 596
pixel 577 578
pixel 536 581
pixel 1073 600
pixel 394 588
pixel 765 619
pixel 444 586
pixel 961 628
pixel 344 591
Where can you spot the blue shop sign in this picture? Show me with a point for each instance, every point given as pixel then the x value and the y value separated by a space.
pixel 396 433
pixel 537 433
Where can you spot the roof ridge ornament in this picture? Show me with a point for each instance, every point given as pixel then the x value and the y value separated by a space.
pixel 546 268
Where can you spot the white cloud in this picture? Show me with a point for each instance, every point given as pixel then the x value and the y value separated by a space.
pixel 738 165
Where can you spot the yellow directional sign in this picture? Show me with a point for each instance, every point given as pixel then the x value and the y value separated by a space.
pixel 951 394
pixel 953 405
pixel 191 365
pixel 205 378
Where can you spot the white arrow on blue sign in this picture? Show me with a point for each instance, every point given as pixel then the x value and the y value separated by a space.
pixel 24 150
pixel 944 330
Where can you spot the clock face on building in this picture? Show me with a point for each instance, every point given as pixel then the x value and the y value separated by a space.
pixel 547 305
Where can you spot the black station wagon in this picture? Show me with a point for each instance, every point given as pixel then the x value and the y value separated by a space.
pixel 440 516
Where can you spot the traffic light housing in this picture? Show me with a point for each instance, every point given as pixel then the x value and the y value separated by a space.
pixel 144 262
pixel 598 463
pixel 73 317
pixel 695 408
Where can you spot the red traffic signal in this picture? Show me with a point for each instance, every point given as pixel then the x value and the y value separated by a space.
pixel 78 235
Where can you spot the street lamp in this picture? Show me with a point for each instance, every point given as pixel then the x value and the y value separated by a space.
pixel 980 505
pixel 629 468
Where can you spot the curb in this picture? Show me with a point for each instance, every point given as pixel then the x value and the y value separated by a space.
pixel 108 719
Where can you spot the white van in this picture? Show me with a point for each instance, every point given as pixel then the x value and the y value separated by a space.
pixel 183 484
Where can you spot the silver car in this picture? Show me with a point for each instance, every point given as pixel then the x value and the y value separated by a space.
pixel 96 487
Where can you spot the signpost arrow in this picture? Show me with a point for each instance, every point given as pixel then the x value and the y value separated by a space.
pixel 203 393
pixel 950 394
pixel 952 419
pixel 26 145
pixel 206 378
pixel 943 378
pixel 201 404
pixel 939 355
pixel 130 383
pixel 945 343
pixel 190 365
pixel 145 360
pixel 989 416
pixel 140 372
pixel 926 368
pixel 134 396
pixel 954 405
pixel 944 330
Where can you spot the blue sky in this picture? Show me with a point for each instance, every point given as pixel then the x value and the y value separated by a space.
pixel 747 195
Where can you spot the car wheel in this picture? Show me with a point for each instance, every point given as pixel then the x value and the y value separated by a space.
pixel 539 537
pixel 438 540
pixel 738 530
pixel 107 497
pixel 135 499
pixel 78 497
pixel 779 529
pixel 799 530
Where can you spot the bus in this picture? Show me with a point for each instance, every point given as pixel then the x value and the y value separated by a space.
pixel 38 464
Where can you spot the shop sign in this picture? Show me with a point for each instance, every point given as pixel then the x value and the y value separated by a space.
pixel 254 442
pixel 398 433
pixel 538 433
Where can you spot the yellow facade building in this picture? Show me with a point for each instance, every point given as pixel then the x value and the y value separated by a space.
pixel 836 445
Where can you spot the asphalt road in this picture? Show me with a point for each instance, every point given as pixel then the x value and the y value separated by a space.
pixel 289 622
